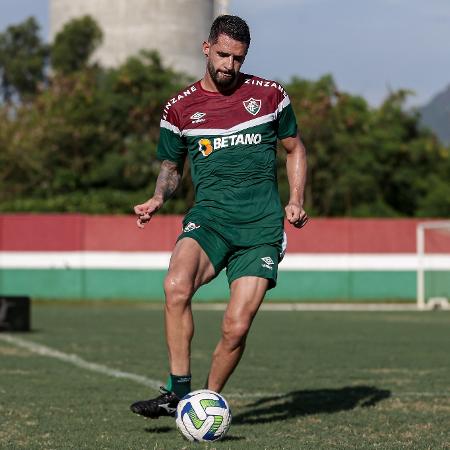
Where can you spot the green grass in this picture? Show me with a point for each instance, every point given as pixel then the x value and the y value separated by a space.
pixel 311 380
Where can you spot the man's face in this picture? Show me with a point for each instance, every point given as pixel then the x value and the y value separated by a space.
pixel 225 59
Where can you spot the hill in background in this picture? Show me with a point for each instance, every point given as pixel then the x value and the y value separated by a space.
pixel 436 115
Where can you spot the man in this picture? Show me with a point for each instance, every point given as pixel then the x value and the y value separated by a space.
pixel 228 124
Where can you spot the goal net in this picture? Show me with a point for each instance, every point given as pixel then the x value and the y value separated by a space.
pixel 433 264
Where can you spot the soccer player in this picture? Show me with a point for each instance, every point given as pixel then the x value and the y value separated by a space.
pixel 228 124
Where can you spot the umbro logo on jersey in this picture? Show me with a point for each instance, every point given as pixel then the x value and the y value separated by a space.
pixel 198 117
pixel 252 105
pixel 268 262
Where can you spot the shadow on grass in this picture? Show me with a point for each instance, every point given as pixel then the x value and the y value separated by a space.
pixel 307 402
pixel 232 438
pixel 158 430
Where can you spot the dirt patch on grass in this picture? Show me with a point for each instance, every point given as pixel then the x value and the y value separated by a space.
pixel 433 319
pixel 14 372
pixel 13 351
pixel 12 431
pixel 431 405
pixel 390 371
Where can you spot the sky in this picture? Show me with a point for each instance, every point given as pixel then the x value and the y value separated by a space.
pixel 370 47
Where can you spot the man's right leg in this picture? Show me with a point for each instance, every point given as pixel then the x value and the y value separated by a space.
pixel 189 268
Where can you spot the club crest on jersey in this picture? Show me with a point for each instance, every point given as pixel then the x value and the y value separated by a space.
pixel 252 105
pixel 205 147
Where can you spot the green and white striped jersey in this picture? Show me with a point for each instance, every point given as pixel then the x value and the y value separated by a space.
pixel 231 143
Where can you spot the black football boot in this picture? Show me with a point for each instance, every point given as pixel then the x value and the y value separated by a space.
pixel 163 405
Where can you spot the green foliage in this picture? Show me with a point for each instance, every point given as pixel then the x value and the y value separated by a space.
pixel 22 60
pixel 74 44
pixel 87 141
pixel 436 202
pixel 365 161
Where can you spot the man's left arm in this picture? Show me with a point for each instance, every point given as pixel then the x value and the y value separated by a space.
pixel 296 172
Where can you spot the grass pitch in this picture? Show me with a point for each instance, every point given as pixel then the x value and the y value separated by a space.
pixel 308 380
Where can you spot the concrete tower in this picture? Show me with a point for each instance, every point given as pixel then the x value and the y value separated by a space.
pixel 176 28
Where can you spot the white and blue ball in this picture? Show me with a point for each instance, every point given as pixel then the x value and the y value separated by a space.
pixel 203 416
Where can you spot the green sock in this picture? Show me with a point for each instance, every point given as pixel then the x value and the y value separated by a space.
pixel 180 385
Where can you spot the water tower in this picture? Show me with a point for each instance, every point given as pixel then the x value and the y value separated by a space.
pixel 176 28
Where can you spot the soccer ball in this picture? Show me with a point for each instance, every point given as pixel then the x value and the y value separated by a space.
pixel 203 416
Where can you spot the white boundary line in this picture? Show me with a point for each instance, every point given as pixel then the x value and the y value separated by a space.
pixel 319 306
pixel 43 350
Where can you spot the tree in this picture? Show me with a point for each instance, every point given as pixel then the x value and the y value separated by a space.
pixel 334 126
pixel 22 60
pixel 367 161
pixel 411 159
pixel 75 44
pixel 88 142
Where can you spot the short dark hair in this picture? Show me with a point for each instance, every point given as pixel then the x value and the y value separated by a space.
pixel 233 26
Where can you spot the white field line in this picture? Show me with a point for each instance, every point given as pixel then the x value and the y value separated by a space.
pixel 160 260
pixel 43 350
pixel 300 306
pixel 269 305
pixel 49 352
pixel 381 307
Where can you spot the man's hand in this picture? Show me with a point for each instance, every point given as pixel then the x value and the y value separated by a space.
pixel 296 215
pixel 146 210
pixel 296 172
pixel 168 180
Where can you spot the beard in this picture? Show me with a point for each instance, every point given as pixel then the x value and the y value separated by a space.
pixel 221 81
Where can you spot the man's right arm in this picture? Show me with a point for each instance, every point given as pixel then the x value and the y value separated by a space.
pixel 168 180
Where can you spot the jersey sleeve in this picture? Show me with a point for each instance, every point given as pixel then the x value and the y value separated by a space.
pixel 171 145
pixel 286 120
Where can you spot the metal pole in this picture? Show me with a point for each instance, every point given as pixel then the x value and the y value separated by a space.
pixel 420 235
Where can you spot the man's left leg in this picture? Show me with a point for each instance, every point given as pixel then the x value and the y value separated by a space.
pixel 247 294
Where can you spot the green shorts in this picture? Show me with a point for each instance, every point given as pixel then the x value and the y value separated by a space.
pixel 229 247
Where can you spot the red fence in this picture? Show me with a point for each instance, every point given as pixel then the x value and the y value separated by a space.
pixel 75 232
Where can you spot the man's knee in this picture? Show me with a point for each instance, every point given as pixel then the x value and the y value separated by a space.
pixel 178 289
pixel 235 330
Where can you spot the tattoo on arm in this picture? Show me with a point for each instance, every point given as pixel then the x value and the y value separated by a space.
pixel 168 180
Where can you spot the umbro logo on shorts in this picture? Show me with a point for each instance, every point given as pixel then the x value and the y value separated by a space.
pixel 268 262
pixel 191 226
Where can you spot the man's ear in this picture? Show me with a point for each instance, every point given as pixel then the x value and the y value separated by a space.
pixel 206 48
